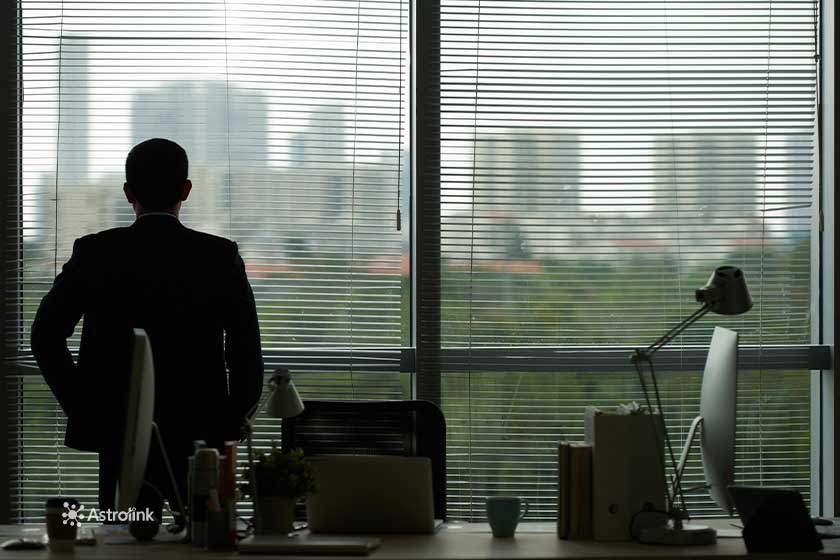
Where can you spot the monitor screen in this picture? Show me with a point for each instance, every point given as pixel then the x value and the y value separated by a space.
pixel 138 423
pixel 717 407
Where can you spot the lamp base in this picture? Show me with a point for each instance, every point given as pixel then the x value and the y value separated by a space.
pixel 687 534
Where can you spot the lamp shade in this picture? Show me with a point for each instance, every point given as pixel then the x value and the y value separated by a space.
pixel 726 292
pixel 284 400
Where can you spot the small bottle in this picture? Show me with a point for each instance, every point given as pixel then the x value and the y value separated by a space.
pixel 205 482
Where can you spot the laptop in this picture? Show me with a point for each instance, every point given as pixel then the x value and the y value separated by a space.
pixel 371 494
pixel 775 520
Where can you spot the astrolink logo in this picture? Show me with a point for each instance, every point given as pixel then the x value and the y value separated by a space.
pixel 74 515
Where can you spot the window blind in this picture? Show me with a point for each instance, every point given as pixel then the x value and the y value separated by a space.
pixel 597 161
pixel 294 116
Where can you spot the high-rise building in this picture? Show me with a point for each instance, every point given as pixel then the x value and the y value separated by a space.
pixel 321 161
pixel 527 193
pixel 708 181
pixel 220 125
pixel 530 169
pixel 712 175
pixel 73 147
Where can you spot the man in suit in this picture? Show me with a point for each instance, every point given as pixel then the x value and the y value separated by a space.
pixel 190 293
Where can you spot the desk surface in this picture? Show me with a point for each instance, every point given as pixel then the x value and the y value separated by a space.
pixel 533 541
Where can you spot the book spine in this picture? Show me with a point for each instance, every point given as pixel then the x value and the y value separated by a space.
pixel 563 472
pixel 580 492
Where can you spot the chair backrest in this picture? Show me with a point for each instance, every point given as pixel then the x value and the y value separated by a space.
pixel 409 428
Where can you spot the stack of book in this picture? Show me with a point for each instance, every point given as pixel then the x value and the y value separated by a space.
pixel 574 490
pixel 627 472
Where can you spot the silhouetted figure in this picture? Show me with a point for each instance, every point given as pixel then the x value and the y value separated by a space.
pixel 189 291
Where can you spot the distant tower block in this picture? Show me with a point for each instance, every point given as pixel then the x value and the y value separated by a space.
pixel 74 112
pixel 526 178
pixel 210 119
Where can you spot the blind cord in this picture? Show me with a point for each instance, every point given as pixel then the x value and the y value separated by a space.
pixel 57 430
pixel 58 135
pixel 400 134
pixel 763 248
pixel 353 190
pixel 675 178
pixel 471 267
pixel 818 152
pixel 227 125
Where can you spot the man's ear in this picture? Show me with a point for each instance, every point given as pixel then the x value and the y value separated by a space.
pixel 187 188
pixel 129 196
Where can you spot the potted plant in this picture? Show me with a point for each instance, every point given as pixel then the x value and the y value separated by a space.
pixel 282 478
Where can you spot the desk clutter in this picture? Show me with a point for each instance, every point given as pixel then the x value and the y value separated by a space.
pixel 604 481
pixel 212 495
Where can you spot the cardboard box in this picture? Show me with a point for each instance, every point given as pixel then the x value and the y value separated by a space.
pixel 627 471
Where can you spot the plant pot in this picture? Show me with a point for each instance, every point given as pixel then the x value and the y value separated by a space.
pixel 276 514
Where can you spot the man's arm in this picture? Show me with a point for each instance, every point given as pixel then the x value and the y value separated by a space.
pixel 243 352
pixel 57 317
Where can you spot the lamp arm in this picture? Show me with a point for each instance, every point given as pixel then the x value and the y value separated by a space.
pixel 638 357
pixel 655 428
pixel 177 491
pixel 251 415
pixel 672 492
pixel 675 331
pixel 676 482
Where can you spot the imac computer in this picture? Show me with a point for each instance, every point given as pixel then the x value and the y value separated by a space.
pixel 716 424
pixel 139 427
pixel 717 410
pixel 137 436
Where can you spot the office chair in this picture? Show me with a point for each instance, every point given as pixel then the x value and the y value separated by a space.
pixel 408 428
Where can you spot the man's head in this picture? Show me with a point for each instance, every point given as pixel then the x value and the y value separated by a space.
pixel 156 176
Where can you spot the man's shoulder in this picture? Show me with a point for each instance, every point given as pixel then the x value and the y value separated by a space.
pixel 209 238
pixel 118 235
pixel 105 236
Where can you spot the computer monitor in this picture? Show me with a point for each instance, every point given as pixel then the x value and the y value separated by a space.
pixel 717 407
pixel 137 435
pixel 139 428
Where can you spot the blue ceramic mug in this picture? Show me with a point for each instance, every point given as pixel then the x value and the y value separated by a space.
pixel 503 514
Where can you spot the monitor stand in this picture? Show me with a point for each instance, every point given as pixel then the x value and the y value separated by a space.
pixel 180 524
pixel 674 531
pixel 677 533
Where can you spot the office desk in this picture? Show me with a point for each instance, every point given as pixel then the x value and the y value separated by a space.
pixel 463 542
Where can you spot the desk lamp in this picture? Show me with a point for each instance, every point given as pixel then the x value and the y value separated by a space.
pixel 725 293
pixel 283 402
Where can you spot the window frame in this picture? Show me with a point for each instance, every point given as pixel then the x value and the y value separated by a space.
pixel 423 357
pixel 819 358
pixel 827 391
pixel 10 207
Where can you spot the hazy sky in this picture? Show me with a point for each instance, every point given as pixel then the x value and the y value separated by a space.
pixel 595 69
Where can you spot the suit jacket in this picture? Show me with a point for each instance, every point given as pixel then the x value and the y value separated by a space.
pixel 189 291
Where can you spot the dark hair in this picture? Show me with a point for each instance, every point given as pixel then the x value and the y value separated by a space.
pixel 155 171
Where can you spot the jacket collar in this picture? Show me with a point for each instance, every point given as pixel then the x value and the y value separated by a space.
pixel 155 218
